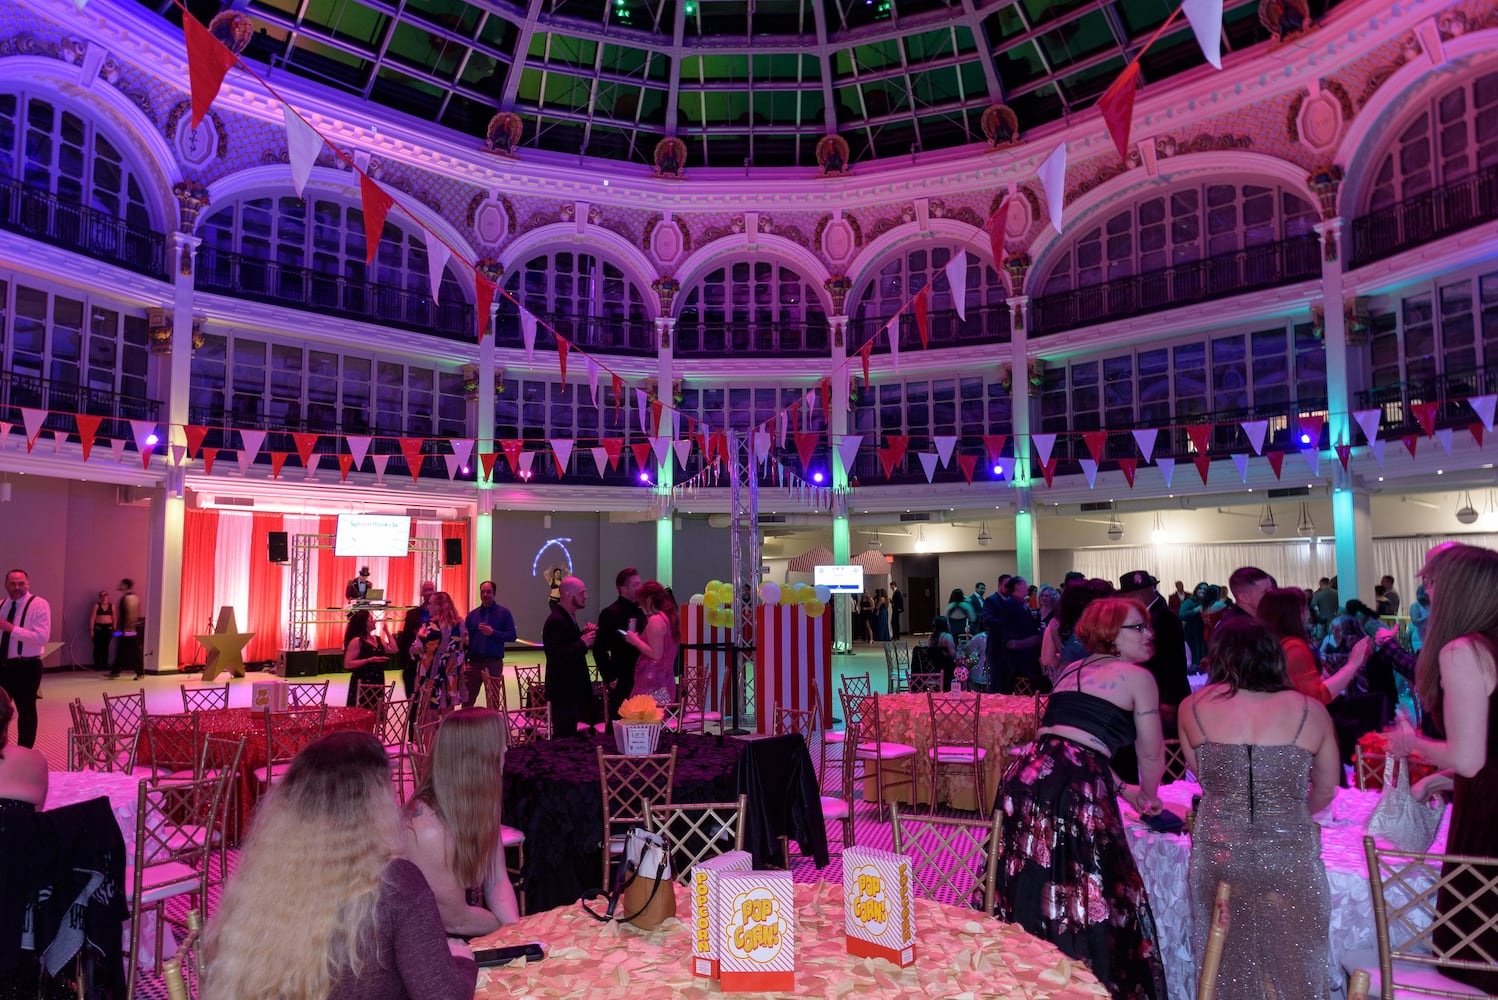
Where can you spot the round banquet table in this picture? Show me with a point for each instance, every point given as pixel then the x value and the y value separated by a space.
pixel 1164 861
pixel 1003 721
pixel 66 788
pixel 959 953
pixel 234 723
pixel 552 793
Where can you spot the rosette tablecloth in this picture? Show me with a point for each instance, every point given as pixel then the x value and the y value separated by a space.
pixel 960 954
pixel 66 788
pixel 1004 720
pixel 1164 860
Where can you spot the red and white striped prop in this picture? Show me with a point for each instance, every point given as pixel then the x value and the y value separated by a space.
pixel 795 651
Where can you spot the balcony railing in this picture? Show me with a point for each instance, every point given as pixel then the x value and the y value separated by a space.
pixel 1253 269
pixel 984 325
pixel 1425 217
pixel 42 216
pixel 753 339
pixel 18 390
pixel 1449 391
pixel 262 280
pixel 606 335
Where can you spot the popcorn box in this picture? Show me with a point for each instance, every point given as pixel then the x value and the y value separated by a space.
pixel 705 894
pixel 877 904
pixel 268 696
pixel 756 931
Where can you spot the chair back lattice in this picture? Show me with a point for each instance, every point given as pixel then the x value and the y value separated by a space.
pixel 1417 933
pixel 495 695
pixel 109 752
pixel 421 749
pixel 393 722
pixel 87 721
pixel 372 696
pixel 955 719
pixel 175 743
pixel 288 732
pixel 696 684
pixel 698 831
pixel 1367 769
pixel 924 683
pixel 1176 768
pixel 172 818
pixel 125 713
pixel 952 861
pixel 857 684
pixel 306 694
pixel 1206 986
pixel 793 721
pixel 527 725
pixel 526 678
pixel 204 699
pixel 1042 702
pixel 1024 687
pixel 629 782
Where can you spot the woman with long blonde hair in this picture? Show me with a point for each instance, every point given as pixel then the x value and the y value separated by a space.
pixel 452 824
pixel 321 906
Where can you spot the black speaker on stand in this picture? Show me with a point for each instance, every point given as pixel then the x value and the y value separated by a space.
pixel 452 551
pixel 278 547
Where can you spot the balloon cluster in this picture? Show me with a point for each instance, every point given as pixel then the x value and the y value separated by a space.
pixel 717 598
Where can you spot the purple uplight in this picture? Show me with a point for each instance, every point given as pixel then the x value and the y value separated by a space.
pixel 998 470
pixel 152 439
pixel 816 477
pixel 465 470
pixel 644 476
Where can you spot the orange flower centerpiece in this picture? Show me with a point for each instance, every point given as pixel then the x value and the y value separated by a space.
pixel 638 728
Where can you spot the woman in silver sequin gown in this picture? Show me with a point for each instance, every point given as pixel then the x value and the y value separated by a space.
pixel 1267 758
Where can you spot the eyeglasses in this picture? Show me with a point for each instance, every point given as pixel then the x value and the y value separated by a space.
pixel 1140 627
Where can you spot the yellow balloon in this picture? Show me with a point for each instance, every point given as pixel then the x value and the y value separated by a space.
pixel 804 593
pixel 787 596
pixel 814 608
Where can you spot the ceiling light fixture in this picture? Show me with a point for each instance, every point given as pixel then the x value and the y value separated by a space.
pixel 1305 526
pixel 983 536
pixel 920 539
pixel 1266 521
pixel 1466 513
pixel 1115 529
pixel 1159 535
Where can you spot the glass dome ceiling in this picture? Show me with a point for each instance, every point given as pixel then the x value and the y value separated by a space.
pixel 744 82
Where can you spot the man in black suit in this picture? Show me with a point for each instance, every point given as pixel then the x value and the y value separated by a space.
pixel 615 657
pixel 896 608
pixel 415 618
pixel 566 645
pixel 1168 664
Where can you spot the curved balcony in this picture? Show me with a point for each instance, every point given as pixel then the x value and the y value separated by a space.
pixel 42 216
pixel 18 390
pixel 600 334
pixel 1449 391
pixel 1425 217
pixel 750 338
pixel 984 325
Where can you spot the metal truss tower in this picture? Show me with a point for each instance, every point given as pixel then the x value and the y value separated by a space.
pixel 744 512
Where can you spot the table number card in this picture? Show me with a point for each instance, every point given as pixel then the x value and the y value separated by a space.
pixel 268 696
pixel 757 928
pixel 877 904
pixel 706 891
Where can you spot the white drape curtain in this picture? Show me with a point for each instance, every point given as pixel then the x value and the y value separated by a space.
pixel 1402 558
pixel 430 530
pixel 231 575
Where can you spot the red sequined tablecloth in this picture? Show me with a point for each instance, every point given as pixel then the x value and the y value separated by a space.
pixel 1373 748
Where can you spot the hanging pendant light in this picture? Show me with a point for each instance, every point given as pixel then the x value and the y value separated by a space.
pixel 1115 528
pixel 983 536
pixel 1266 521
pixel 1305 526
pixel 1466 513
pixel 1159 535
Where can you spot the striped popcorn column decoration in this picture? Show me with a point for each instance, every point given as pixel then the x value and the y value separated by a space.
pixel 695 631
pixel 795 652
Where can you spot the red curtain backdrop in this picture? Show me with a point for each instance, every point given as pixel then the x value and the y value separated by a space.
pixel 266 616
pixel 455 578
pixel 199 549
pixel 333 574
pixel 401 585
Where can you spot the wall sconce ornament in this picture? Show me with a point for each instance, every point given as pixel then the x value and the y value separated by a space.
pixel 666 290
pixel 503 134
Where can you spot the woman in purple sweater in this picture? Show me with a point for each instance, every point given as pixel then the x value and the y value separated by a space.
pixel 321 905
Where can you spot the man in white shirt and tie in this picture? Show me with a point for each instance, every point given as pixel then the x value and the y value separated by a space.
pixel 25 627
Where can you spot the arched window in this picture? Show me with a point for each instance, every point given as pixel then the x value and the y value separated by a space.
pixel 906 273
pixel 1450 138
pixel 587 299
pixel 311 254
pixel 1186 224
pixel 752 307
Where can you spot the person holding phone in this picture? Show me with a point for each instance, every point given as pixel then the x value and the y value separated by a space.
pixel 364 654
pixel 655 669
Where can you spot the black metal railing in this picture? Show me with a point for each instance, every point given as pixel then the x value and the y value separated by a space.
pixel 1449 391
pixel 1249 270
pixel 262 280
pixel 750 338
pixel 43 216
pixel 983 325
pixel 1422 218
pixel 19 390
pixel 606 335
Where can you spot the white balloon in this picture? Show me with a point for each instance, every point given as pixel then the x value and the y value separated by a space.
pixel 824 593
pixel 769 592
pixel 697 599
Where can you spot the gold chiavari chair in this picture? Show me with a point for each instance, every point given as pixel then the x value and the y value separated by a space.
pixel 175 743
pixel 125 713
pixel 955 747
pixel 862 714
pixel 306 694
pixel 285 734
pixel 695 716
pixel 1176 768
pixel 1206 985
pixel 697 831
pixel 372 696
pixel 952 861
pixel 204 699
pixel 393 727
pixel 628 783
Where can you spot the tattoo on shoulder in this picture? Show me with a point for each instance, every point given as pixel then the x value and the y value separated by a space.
pixel 1149 711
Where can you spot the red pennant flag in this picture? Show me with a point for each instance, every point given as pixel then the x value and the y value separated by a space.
pixel 88 428
pixel 655 416
pixel 806 446
pixel 864 354
pixel 1409 443
pixel 704 445
pixel 720 445
pixel 618 393
pixel 886 461
pixel 922 317
pixel 967 463
pixel 795 421
pixel 1311 428
pixel 1476 430
pixel 1203 463
pixel 486 462
pixel 1117 104
pixel 1048 470
pixel 1276 461
pixel 195 436
pixel 305 442
pixel 208 62
pixel 377 205
pixel 484 297
pixel 826 387
pixel 897 445
pixel 209 454
pixel 994 445
pixel 1426 414
pixel 1344 452
pixel 612 447
pixel 1129 466
pixel 562 348
pixel 642 455
pixel 1095 441
pixel 411 448
pixel 511 447
pixel 996 226
pixel 345 463
pixel 277 459
pixel 1198 434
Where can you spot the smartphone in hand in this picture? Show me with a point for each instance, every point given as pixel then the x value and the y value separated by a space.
pixel 488 958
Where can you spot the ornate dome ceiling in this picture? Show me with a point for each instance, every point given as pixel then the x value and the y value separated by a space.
pixel 744 82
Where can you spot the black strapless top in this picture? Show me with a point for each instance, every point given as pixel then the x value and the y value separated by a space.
pixel 1091 714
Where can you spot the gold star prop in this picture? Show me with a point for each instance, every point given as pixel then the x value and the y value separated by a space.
pixel 225 646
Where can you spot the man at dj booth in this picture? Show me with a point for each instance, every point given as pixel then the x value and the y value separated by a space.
pixel 358 587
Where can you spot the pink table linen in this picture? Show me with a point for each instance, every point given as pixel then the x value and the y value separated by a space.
pixel 1004 721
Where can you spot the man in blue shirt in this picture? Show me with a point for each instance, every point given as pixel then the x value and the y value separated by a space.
pixel 489 626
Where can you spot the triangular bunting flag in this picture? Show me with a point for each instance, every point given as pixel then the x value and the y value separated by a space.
pixel 928 463
pixel 463 448
pixel 303 145
pixel 1095 441
pixel 209 454
pixel 847 450
pixel 618 384
pixel 117 451
pixel 562 348
pixel 613 448
pixel 1129 467
pixel 1241 461
pixel 1310 427
pixel 143 431
pixel 897 445
pixel 438 255
pixel 863 354
pixel 1199 435
pixel 1444 437
pixel 528 339
pixel 1206 24
pixel 179 451
pixel 511 447
pixel 944 445
pixel 1167 467
pixel 1043 444
pixel 1368 420
pixel 277 460
pixel 967 463
pixel 345 463
pixel 993 446
pixel 641 450
pixel 762 441
pixel 376 204
pixel 88 428
pixel 312 465
pixel 1483 406
pixel 1476 430
pixel 1203 463
pixel 1276 462
pixel 453 465
pixel 305 442
pixel 358 446
pixel 1313 459
pixel 642 404
pixel 922 315
pixel 1425 413
pixel 411 450
pixel 886 461
pixel 1376 449
pixel 486 462
pixel 957 282
pixel 483 301
pixel 1409 443
pixel 593 370
pixel 600 460
pixel 720 445
pixel 208 62
pixel 661 445
pixel 1117 105
pixel 893 329
pixel 655 416
pixel 1052 174
pixel 1048 471
pixel 195 437
pixel 996 226
pixel 806 446
pixel 562 449
pixel 683 449
pixel 1145 438
pixel 527 461
pixel 1344 453
pixel 1255 429
pixel 1089 469
pixel 379 462
pixel 33 419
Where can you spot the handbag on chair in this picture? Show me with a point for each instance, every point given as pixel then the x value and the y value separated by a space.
pixel 1398 819
pixel 644 893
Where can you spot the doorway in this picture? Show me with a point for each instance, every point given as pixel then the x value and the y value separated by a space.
pixel 920 595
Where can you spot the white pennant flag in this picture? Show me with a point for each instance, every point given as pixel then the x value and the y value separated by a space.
pixel 847 451
pixel 117 449
pixel 592 367
pixel 528 332
pixel 562 448
pixel 145 430
pixel 944 445
pixel 1089 469
pixel 437 257
pixel 527 461
pixel 58 437
pixel 1313 459
pixel 1167 467
pixel 1376 449
pixel 1206 24
pixel 5 427
pixel 453 465
pixel 600 459
pixel 661 445
pixel 1241 461
pixel 893 329
pixel 781 425
pixel 1052 175
pixel 33 419
pixel 312 463
pixel 1368 420
pixel 463 449
pixel 683 449
pixel 358 447
pixel 1483 407
pixel 1145 439
pixel 1444 436
pixel 1256 429
pixel 1043 445
pixel 379 462
pixel 642 404
pixel 761 445
pixel 250 442
pixel 303 144
pixel 928 462
pixel 957 282
pixel 179 453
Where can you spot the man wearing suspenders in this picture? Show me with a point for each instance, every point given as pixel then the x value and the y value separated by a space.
pixel 25 627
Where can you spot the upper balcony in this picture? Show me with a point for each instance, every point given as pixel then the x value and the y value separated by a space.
pixel 42 216
pixel 753 338
pixel 61 399
pixel 1425 217
pixel 1449 391
pixel 600 334
pixel 983 325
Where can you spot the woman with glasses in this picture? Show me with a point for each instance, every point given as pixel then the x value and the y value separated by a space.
pixel 1065 870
